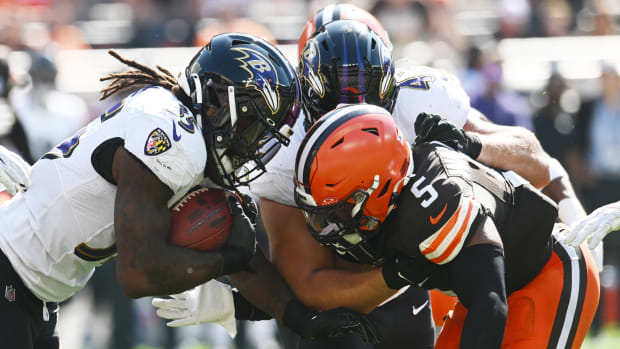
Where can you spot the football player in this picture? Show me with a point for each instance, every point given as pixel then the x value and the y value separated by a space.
pixel 336 12
pixel 360 58
pixel 441 220
pixel 346 62
pixel 106 191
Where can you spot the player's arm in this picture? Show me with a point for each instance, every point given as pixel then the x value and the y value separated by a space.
pixel 263 295
pixel 311 270
pixel 502 147
pixel 466 253
pixel 477 277
pixel 560 190
pixel 263 286
pixel 146 264
pixel 510 148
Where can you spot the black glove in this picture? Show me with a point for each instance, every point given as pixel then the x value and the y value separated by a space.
pixel 338 322
pixel 249 207
pixel 241 244
pixel 430 127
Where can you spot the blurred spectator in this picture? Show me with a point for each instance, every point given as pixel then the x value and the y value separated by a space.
pixel 48 115
pixel 69 37
pixel 241 25
pixel 500 105
pixel 162 22
pixel 598 144
pixel 595 163
pixel 554 122
pixel 550 18
pixel 472 77
pixel 230 17
pixel 405 20
pixel 513 17
pixel 12 134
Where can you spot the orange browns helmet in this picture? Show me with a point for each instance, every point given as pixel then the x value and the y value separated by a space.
pixel 349 170
pixel 336 12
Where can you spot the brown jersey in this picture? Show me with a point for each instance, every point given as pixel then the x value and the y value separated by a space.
pixel 444 202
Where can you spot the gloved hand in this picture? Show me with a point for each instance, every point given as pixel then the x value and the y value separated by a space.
pixel 249 207
pixel 430 127
pixel 400 271
pixel 329 324
pixel 241 244
pixel 209 302
pixel 596 226
pixel 14 172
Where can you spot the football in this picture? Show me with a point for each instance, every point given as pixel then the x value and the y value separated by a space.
pixel 201 220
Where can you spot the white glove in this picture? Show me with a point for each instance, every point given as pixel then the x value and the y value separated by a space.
pixel 596 226
pixel 209 302
pixel 14 172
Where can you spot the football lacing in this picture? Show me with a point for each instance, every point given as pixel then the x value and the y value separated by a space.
pixel 187 197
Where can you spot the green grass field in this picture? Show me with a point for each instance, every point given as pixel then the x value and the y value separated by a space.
pixel 609 338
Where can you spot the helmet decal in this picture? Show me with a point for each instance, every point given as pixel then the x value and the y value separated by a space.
pixel 310 67
pixel 387 71
pixel 263 75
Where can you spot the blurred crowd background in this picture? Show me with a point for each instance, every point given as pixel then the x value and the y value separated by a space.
pixel 548 65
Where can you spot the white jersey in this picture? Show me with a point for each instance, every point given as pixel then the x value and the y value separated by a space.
pixel 422 89
pixel 57 232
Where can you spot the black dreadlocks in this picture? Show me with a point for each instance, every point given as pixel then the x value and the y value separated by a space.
pixel 141 75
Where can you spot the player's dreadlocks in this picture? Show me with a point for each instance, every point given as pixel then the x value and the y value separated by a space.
pixel 141 75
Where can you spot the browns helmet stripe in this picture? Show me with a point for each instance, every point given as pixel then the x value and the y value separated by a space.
pixel 321 130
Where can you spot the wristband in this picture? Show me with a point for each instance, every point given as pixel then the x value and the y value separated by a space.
pixel 570 211
pixel 556 170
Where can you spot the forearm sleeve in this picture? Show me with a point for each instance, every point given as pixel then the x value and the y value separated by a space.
pixel 478 273
pixel 244 310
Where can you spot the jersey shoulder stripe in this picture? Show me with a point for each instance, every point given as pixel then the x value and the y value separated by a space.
pixel 445 244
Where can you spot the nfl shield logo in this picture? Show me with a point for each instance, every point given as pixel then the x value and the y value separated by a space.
pixel 9 293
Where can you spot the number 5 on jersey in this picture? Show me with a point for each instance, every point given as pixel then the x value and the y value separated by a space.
pixel 419 191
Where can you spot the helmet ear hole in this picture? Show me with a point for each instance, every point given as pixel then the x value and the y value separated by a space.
pixel 385 188
pixel 338 143
pixel 239 42
pixel 373 44
pixel 325 45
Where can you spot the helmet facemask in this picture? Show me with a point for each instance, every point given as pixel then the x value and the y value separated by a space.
pixel 246 95
pixel 240 138
pixel 349 171
pixel 345 63
pixel 342 225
